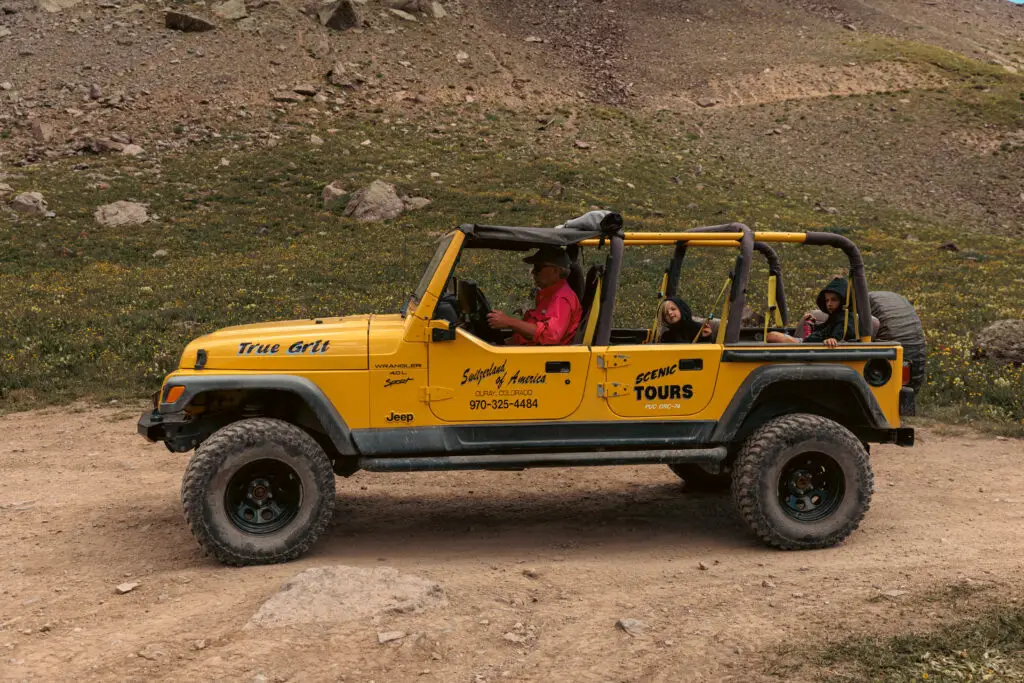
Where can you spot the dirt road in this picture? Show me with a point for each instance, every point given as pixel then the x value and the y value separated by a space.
pixel 554 556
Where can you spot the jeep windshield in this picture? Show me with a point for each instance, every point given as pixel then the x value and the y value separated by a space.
pixel 428 275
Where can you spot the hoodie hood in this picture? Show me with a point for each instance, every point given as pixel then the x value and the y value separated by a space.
pixel 838 287
pixel 684 311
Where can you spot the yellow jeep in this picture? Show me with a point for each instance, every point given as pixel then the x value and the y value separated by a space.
pixel 274 411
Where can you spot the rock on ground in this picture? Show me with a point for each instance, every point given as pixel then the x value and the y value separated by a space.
pixel 437 11
pixel 5 190
pixel 633 627
pixel 1002 341
pixel 410 5
pixel 54 6
pixel 377 202
pixel 30 203
pixel 189 23
pixel 402 14
pixel 121 213
pixel 333 194
pixel 340 16
pixel 231 10
pixel 340 593
pixel 415 203
pixel 42 132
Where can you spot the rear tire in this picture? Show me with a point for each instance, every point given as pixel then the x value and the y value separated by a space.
pixel 258 491
pixel 697 478
pixel 802 481
pixel 898 322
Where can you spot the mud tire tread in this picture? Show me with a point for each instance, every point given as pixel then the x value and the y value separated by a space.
pixel 244 434
pixel 774 437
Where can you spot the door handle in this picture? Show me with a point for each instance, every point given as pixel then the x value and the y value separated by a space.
pixel 561 366
pixel 691 364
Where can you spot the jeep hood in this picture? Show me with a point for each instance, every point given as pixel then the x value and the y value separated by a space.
pixel 288 345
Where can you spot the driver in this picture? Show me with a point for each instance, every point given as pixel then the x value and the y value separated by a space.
pixel 556 315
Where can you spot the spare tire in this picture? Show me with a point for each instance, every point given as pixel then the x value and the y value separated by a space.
pixel 898 322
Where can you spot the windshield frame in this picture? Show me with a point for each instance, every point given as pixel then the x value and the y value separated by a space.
pixel 428 275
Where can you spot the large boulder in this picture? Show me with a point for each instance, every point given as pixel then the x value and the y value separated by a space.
pixel 325 595
pixel 31 203
pixel 120 214
pixel 340 15
pixel 377 202
pixel 1002 341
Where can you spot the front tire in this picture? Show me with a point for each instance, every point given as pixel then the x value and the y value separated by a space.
pixel 802 481
pixel 258 491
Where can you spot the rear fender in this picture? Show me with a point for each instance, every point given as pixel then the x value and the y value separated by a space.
pixel 835 391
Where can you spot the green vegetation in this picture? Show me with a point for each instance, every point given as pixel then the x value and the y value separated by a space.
pixel 989 647
pixel 89 312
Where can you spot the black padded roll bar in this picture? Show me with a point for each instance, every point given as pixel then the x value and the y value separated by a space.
pixel 609 291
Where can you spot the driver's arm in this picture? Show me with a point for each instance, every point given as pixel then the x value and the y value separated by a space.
pixel 498 319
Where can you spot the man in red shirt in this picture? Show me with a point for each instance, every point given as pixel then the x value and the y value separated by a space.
pixel 554 319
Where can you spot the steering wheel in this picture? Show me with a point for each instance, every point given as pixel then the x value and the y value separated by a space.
pixel 473 309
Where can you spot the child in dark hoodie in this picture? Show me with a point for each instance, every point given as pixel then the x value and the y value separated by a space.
pixel 678 325
pixel 831 301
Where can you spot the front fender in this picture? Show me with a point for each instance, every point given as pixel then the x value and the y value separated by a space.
pixel 304 389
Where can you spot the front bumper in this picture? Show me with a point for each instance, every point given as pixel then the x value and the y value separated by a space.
pixel 176 430
pixel 151 426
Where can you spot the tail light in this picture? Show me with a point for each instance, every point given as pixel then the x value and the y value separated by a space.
pixel 906 374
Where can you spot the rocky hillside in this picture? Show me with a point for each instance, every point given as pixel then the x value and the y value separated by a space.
pixel 778 86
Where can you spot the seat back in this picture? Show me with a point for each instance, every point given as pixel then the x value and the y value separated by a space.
pixel 576 280
pixel 591 305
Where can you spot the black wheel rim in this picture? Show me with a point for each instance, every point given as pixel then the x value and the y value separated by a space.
pixel 263 496
pixel 811 486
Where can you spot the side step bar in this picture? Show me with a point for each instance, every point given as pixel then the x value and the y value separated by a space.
pixel 519 461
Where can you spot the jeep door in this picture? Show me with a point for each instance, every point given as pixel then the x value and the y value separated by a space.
pixel 659 380
pixel 471 380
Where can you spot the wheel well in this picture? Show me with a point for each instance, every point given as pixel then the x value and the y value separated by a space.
pixel 216 408
pixel 838 401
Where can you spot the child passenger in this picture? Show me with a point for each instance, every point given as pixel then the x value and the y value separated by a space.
pixel 830 332
pixel 678 325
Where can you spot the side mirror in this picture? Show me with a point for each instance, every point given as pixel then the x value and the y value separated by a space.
pixel 441 331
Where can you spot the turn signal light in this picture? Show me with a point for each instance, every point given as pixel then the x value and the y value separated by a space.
pixel 906 374
pixel 173 394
